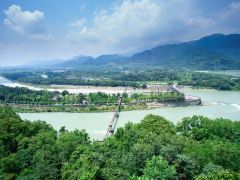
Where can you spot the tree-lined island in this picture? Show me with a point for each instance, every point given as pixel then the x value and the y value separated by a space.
pixel 26 100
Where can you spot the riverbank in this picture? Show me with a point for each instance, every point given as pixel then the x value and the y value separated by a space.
pixel 151 86
pixel 156 86
pixel 216 104
pixel 73 109
pixel 23 108
pixel 73 89
pixel 25 100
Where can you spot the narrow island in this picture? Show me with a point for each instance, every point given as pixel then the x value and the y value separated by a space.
pixel 157 95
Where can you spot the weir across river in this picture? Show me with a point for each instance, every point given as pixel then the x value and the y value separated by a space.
pixel 189 99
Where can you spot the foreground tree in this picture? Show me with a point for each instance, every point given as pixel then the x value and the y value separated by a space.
pixel 152 149
pixel 158 168
pixel 223 174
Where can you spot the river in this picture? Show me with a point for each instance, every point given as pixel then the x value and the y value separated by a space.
pixel 74 89
pixel 216 104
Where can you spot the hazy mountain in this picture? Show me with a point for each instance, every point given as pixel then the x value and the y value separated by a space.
pixel 77 61
pixel 82 61
pixel 212 52
pixel 216 51
pixel 108 58
pixel 220 41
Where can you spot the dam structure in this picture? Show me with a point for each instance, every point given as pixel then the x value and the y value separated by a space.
pixel 189 99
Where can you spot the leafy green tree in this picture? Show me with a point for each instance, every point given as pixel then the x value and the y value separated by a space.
pixel 158 168
pixel 220 153
pixel 186 166
pixel 65 92
pixel 137 158
pixel 223 174
pixel 202 128
pixel 211 168
pixel 156 124
pixel 152 149
pixel 84 164
pixel 67 142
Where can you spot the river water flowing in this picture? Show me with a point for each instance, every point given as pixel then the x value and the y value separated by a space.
pixel 216 104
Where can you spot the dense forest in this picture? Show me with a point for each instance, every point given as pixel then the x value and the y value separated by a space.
pixel 195 148
pixel 137 79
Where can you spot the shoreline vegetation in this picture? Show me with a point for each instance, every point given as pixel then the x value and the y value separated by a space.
pixel 196 148
pixel 21 108
pixel 136 79
pixel 26 100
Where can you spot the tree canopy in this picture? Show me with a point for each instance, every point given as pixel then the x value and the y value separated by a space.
pixel 155 148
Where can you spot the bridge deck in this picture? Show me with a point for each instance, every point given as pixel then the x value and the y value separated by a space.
pixel 113 123
pixel 188 98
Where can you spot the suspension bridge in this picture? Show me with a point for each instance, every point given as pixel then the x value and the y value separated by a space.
pixel 189 99
pixel 113 123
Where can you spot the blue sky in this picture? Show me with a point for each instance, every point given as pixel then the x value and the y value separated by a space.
pixel 38 30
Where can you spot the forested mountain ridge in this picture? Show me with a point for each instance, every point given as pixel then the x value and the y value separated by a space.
pixel 216 51
pixel 212 52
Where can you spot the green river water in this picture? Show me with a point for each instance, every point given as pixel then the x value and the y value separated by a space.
pixel 225 104
pixel 216 104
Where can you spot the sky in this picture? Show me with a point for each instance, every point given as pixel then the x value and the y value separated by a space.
pixel 41 30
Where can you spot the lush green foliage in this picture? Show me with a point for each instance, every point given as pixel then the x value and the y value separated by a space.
pixel 158 168
pixel 84 78
pixel 42 101
pixel 34 150
pixel 137 78
pixel 200 128
pixel 224 174
pixel 152 149
pixel 27 96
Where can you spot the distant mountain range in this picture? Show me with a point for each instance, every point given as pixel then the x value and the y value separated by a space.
pixel 216 51
pixel 81 61
pixel 212 52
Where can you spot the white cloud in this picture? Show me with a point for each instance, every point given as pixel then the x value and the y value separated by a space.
pixel 78 24
pixel 138 24
pixel 129 21
pixel 26 22
pixel 134 25
pixel 229 17
pixel 129 26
